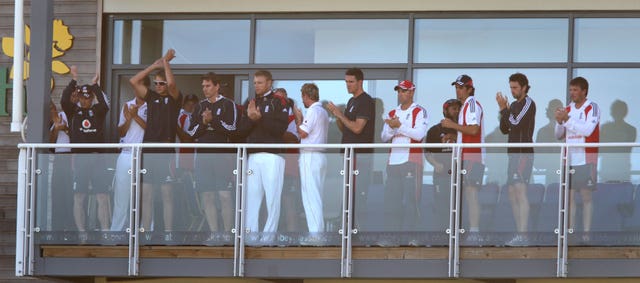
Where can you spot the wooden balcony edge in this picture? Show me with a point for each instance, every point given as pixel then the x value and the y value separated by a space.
pixel 328 253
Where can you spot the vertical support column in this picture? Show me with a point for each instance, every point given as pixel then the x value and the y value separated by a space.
pixel 22 214
pixel 40 71
pixel 454 230
pixel 563 213
pixel 348 214
pixel 18 69
pixel 238 229
pixel 31 191
pixel 134 212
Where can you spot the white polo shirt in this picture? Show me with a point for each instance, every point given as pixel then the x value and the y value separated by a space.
pixel 135 134
pixel 63 137
pixel 316 124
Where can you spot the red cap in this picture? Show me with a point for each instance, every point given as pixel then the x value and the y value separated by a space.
pixel 406 84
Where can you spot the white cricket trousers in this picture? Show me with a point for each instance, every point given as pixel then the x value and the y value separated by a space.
pixel 313 169
pixel 265 180
pixel 121 192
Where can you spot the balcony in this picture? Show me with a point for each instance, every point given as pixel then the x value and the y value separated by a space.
pixel 425 235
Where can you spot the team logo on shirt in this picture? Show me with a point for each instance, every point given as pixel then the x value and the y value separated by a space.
pixel 86 127
pixel 86 123
pixel 218 112
pixel 90 113
pixel 266 109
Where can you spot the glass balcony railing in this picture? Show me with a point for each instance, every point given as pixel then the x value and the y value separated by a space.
pixel 238 210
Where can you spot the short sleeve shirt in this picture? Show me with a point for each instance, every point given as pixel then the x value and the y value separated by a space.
pixel 162 114
pixel 360 107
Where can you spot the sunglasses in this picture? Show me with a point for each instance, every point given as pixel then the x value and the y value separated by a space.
pixel 162 83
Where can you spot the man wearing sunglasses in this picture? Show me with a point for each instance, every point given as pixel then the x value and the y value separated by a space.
pixel 163 107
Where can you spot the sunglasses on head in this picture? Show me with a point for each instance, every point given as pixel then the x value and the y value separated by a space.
pixel 162 83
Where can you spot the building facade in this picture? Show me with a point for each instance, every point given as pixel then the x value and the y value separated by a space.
pixel 428 42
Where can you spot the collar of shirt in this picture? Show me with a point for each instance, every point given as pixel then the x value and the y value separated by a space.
pixel 316 104
pixel 413 104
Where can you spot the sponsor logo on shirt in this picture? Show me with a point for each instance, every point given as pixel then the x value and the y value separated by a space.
pixel 86 127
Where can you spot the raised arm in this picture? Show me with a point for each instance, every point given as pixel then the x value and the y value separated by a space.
pixel 171 81
pixel 137 81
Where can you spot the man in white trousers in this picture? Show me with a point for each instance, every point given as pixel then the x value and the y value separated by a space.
pixel 313 129
pixel 266 120
pixel 133 121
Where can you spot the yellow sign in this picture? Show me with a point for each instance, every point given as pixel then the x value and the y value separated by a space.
pixel 62 41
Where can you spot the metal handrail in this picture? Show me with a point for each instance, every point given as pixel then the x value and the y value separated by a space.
pixel 325 146
pixel 24 258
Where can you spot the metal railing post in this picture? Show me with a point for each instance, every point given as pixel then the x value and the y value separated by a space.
pixel 238 230
pixel 563 230
pixel 347 213
pixel 22 214
pixel 455 231
pixel 134 212
pixel 31 194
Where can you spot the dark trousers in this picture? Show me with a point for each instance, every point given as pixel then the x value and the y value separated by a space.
pixel 402 195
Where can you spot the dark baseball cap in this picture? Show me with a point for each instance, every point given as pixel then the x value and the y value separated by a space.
pixel 85 91
pixel 462 80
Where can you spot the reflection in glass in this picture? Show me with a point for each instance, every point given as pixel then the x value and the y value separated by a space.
pixel 126 41
pixel 497 221
pixel 548 167
pixel 144 41
pixel 207 41
pixel 614 36
pixel 611 89
pixel 433 88
pixel 60 217
pixel 491 40
pixel 332 41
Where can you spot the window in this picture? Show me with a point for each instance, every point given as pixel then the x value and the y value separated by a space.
pixel 332 41
pixel 491 40
pixel 607 40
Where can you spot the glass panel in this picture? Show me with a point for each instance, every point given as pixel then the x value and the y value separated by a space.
pixel 491 40
pixel 332 41
pixel 611 89
pixel 401 205
pixel 73 197
pixel 605 213
pixel 518 212
pixel 142 42
pixel 607 40
pixel 126 41
pixel 188 198
pixel 308 217
pixel 224 41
